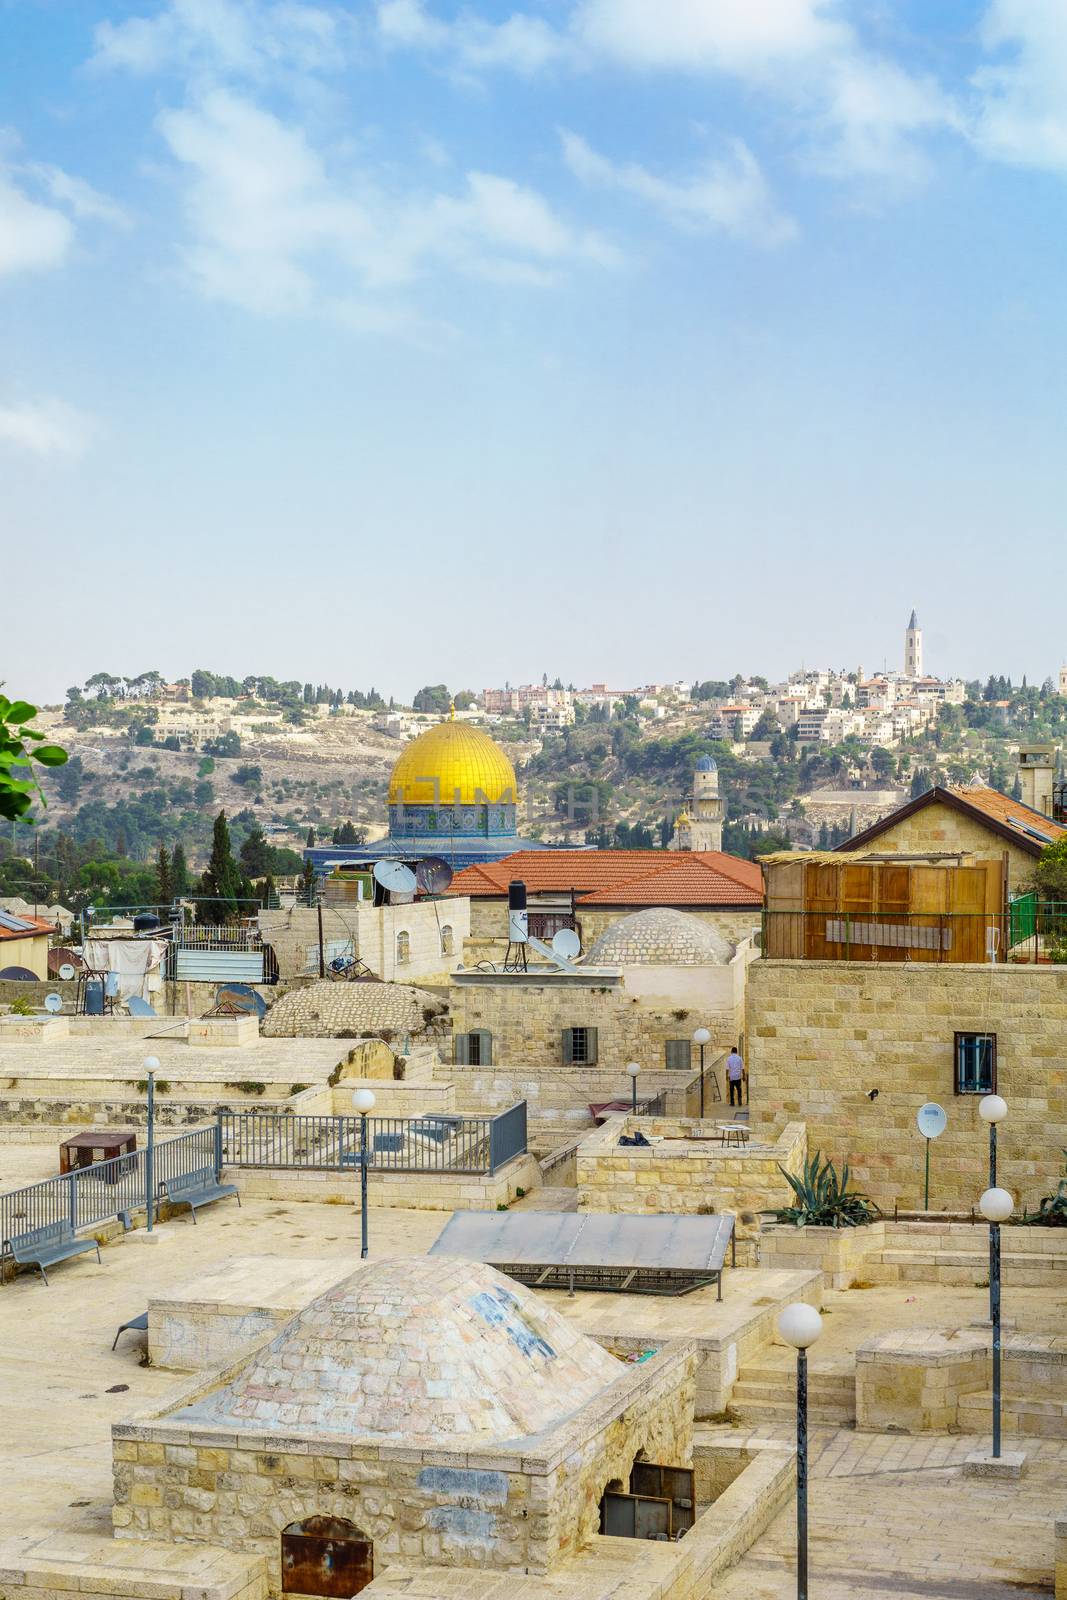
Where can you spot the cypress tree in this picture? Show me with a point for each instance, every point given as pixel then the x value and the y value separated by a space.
pixel 221 882
pixel 179 871
pixel 164 876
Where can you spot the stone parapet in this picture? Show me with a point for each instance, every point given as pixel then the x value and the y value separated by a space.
pixel 840 1254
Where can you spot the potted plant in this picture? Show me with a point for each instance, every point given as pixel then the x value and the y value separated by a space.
pixel 819 1229
pixel 1052 1212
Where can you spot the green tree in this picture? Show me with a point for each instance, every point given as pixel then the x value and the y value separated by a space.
pixel 348 833
pixel 69 780
pixel 164 877
pixel 310 841
pixel 432 697
pixel 256 854
pixel 920 782
pixel 1050 874
pixel 464 700
pixel 221 883
pixel 179 871
pixel 20 746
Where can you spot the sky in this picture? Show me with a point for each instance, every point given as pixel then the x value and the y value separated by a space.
pixel 406 341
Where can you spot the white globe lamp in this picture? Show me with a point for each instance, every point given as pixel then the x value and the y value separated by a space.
pixel 800 1325
pixel 996 1205
pixel 363 1101
pixel 992 1108
pixel 701 1036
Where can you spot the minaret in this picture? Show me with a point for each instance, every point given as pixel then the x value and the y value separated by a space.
pixel 700 828
pixel 913 649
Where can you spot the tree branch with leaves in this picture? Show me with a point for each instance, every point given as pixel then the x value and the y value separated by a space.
pixel 20 747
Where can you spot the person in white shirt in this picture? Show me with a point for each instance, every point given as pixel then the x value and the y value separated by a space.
pixel 735 1077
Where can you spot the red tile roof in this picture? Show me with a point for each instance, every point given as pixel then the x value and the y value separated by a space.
pixel 621 877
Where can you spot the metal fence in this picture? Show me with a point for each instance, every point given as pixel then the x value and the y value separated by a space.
pixel 89 1196
pixel 437 1142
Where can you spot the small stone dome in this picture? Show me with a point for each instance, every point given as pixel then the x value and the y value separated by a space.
pixel 427 1349
pixel 706 764
pixel 660 937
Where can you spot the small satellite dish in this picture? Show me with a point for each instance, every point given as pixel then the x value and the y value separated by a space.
pixel 66 972
pixel 18 975
pixel 433 875
pixel 53 1002
pixel 60 957
pixel 395 877
pixel 567 944
pixel 931 1119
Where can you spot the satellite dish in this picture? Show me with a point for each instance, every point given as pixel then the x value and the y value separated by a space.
pixel 66 972
pixel 241 997
pixel 53 1002
pixel 433 875
pixel 18 975
pixel 567 944
pixel 931 1119
pixel 395 877
pixel 59 957
pixel 140 1008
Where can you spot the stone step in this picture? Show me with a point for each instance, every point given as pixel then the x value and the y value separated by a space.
pixel 963 1267
pixel 1042 1419
pixel 761 1410
pixel 836 1388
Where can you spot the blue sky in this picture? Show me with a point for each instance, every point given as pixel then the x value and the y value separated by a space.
pixel 624 339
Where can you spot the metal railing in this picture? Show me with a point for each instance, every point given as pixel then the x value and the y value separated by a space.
pixel 88 1196
pixel 437 1142
pixel 886 935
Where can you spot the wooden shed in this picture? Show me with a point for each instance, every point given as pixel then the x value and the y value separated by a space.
pixel 828 907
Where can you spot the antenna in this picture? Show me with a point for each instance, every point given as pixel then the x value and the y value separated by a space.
pixel 394 877
pixel 66 972
pixel 433 875
pixel 53 1003
pixel 566 944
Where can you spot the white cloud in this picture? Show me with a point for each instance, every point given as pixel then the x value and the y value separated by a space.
pixel 734 36
pixel 31 234
pixel 249 38
pixel 729 194
pixel 522 43
pixel 87 203
pixel 273 230
pixel 45 428
pixel 1022 110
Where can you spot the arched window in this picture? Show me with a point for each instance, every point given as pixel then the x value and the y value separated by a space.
pixel 403 948
pixel 446 940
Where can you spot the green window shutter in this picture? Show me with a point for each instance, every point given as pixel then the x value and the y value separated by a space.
pixel 568 1048
pixel 461 1050
pixel 485 1046
pixel 590 1039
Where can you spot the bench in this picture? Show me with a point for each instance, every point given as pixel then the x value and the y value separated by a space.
pixel 195 1189
pixel 138 1324
pixel 43 1247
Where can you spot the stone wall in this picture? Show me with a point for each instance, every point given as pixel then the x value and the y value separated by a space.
pixel 419 1191
pixel 522 1508
pixel 685 1174
pixel 527 1012
pixel 840 1254
pixel 560 1097
pixel 822 1033
pixel 488 921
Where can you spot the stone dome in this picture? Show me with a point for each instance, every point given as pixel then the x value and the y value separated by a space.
pixel 428 1349
pixel 453 764
pixel 660 937
pixel 706 764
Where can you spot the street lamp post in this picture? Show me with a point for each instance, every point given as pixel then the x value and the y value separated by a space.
pixel 800 1325
pixel 992 1109
pixel 633 1069
pixel 363 1100
pixel 996 1205
pixel 701 1037
pixel 151 1067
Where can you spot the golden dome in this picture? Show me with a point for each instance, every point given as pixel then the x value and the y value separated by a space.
pixel 453 764
pixel 683 819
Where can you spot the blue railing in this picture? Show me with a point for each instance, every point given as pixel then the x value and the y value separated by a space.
pixel 437 1142
pixel 88 1196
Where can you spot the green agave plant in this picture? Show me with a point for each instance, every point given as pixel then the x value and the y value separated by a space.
pixel 823 1200
pixel 1052 1212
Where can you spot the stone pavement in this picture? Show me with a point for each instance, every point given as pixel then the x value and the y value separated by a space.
pixel 895 1517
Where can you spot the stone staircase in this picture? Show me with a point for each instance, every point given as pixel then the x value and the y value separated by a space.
pixel 1031 1418
pixel 767 1393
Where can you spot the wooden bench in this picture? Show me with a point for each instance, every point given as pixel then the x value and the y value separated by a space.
pixel 196 1189
pixel 43 1247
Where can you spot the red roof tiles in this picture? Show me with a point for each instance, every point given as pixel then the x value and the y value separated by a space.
pixel 621 877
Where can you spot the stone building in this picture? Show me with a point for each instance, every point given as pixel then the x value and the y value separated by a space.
pixel 400 943
pixel 562 1040
pixel 24 943
pixel 913 648
pixel 823 1036
pixel 589 890
pixel 979 822
pixel 427 1411
pixel 699 827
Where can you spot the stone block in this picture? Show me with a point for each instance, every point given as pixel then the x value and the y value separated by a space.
pixel 1010 1464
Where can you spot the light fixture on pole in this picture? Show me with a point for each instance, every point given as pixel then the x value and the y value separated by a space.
pixel 363 1101
pixel 701 1037
pixel 633 1069
pixel 992 1109
pixel 800 1325
pixel 151 1067
pixel 996 1205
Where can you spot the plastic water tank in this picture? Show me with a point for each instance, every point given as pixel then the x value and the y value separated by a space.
pixel 94 998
